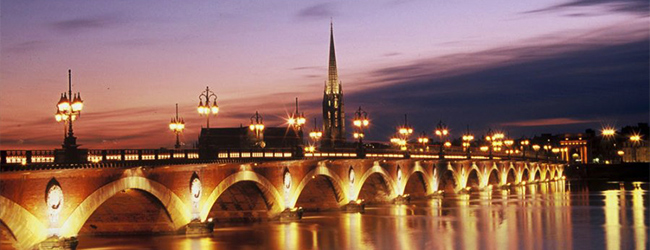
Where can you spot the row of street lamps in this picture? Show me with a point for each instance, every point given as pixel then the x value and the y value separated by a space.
pixel 70 105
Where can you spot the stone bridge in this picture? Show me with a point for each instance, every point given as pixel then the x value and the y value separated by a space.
pixel 165 198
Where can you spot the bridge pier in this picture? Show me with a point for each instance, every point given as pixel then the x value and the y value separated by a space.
pixel 402 199
pixel 58 243
pixel 199 228
pixel 291 214
pixel 357 206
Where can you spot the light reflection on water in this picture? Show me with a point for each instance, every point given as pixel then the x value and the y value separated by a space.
pixel 554 215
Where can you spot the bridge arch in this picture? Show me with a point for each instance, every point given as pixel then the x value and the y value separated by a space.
pixel 377 169
pixel 414 171
pixel 178 212
pixel 509 176
pixel 321 170
pixel 449 180
pixel 473 178
pixel 491 178
pixel 525 175
pixel 536 174
pixel 269 191
pixel 23 225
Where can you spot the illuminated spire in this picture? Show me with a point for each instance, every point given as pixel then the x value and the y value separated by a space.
pixel 332 86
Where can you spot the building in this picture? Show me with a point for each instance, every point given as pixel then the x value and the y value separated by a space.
pixel 333 112
pixel 213 140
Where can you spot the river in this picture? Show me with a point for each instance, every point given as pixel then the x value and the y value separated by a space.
pixel 555 215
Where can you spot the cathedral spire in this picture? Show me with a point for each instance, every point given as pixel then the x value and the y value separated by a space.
pixel 333 76
pixel 333 112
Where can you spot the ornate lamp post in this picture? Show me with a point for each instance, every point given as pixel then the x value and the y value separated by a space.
pixel 424 140
pixel 360 121
pixel 207 109
pixel 404 133
pixel 508 143
pixel 524 146
pixel 555 151
pixel 177 125
pixel 636 140
pixel 442 132
pixel 257 127
pixel 68 109
pixel 467 142
pixel 315 136
pixel 609 134
pixel 297 121
pixel 536 149
pixel 548 148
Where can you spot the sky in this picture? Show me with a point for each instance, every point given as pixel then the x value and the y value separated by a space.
pixel 524 67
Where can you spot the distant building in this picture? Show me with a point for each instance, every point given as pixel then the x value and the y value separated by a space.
pixel 212 140
pixel 635 151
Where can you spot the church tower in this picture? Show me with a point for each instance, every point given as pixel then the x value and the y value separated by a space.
pixel 333 113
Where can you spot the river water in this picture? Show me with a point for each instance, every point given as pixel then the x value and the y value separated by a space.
pixel 556 215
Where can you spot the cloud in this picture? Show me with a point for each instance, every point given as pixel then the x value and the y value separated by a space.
pixel 317 12
pixel 582 79
pixel 85 23
pixel 309 68
pixel 638 7
pixel 28 46
pixel 546 122
pixel 391 54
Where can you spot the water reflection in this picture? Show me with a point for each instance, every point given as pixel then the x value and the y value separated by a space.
pixel 547 215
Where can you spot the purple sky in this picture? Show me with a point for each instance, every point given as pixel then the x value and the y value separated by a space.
pixel 527 67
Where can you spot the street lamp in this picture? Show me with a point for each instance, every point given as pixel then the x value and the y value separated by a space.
pixel 207 109
pixel 257 127
pixel 524 145
pixel 509 144
pixel 555 151
pixel 547 148
pixel 424 140
pixel 177 125
pixel 360 121
pixel 297 120
pixel 404 132
pixel 609 133
pixel 68 109
pixel 467 142
pixel 315 134
pixel 442 132
pixel 536 149
pixel 635 139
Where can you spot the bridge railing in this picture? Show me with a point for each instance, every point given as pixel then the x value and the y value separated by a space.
pixel 45 157
pixel 27 157
pixel 282 153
